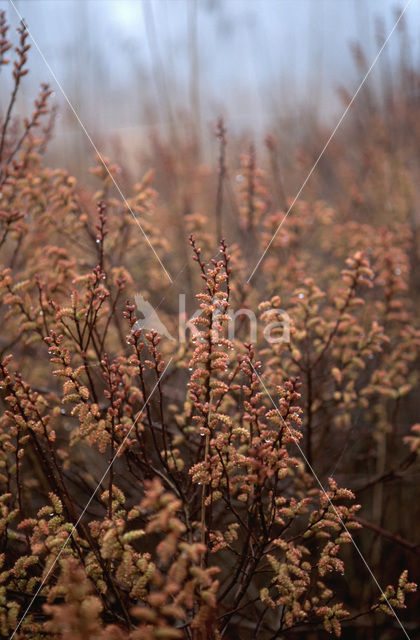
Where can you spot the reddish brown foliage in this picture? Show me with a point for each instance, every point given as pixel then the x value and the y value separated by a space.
pixel 158 492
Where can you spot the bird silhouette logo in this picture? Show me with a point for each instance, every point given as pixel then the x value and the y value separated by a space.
pixel 150 320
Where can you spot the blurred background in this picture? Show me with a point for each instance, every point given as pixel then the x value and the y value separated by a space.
pixel 131 67
pixel 149 79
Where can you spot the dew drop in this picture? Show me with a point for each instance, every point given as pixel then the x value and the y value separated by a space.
pixel 301 295
pixel 97 241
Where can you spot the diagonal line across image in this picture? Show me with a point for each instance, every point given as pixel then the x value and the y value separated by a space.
pixel 375 60
pixel 86 507
pixel 302 453
pixel 85 131
pixel 337 126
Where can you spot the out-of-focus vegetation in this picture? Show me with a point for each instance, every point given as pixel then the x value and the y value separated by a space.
pixel 209 522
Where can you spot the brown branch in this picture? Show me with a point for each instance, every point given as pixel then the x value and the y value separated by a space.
pixel 411 546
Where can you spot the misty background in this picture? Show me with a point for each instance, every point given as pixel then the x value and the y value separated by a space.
pixel 130 66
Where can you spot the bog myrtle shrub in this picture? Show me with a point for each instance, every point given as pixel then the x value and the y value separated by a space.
pixel 215 488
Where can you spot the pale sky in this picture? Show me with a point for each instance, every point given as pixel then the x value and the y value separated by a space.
pixel 255 57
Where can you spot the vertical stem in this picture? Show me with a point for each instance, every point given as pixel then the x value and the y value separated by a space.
pixel 309 417
pixel 378 497
pixel 203 500
pixel 194 70
pixel 251 188
pixel 221 136
pixel 19 486
pixel 111 471
pixel 203 493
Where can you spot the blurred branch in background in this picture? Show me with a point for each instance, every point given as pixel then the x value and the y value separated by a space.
pixel 131 65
